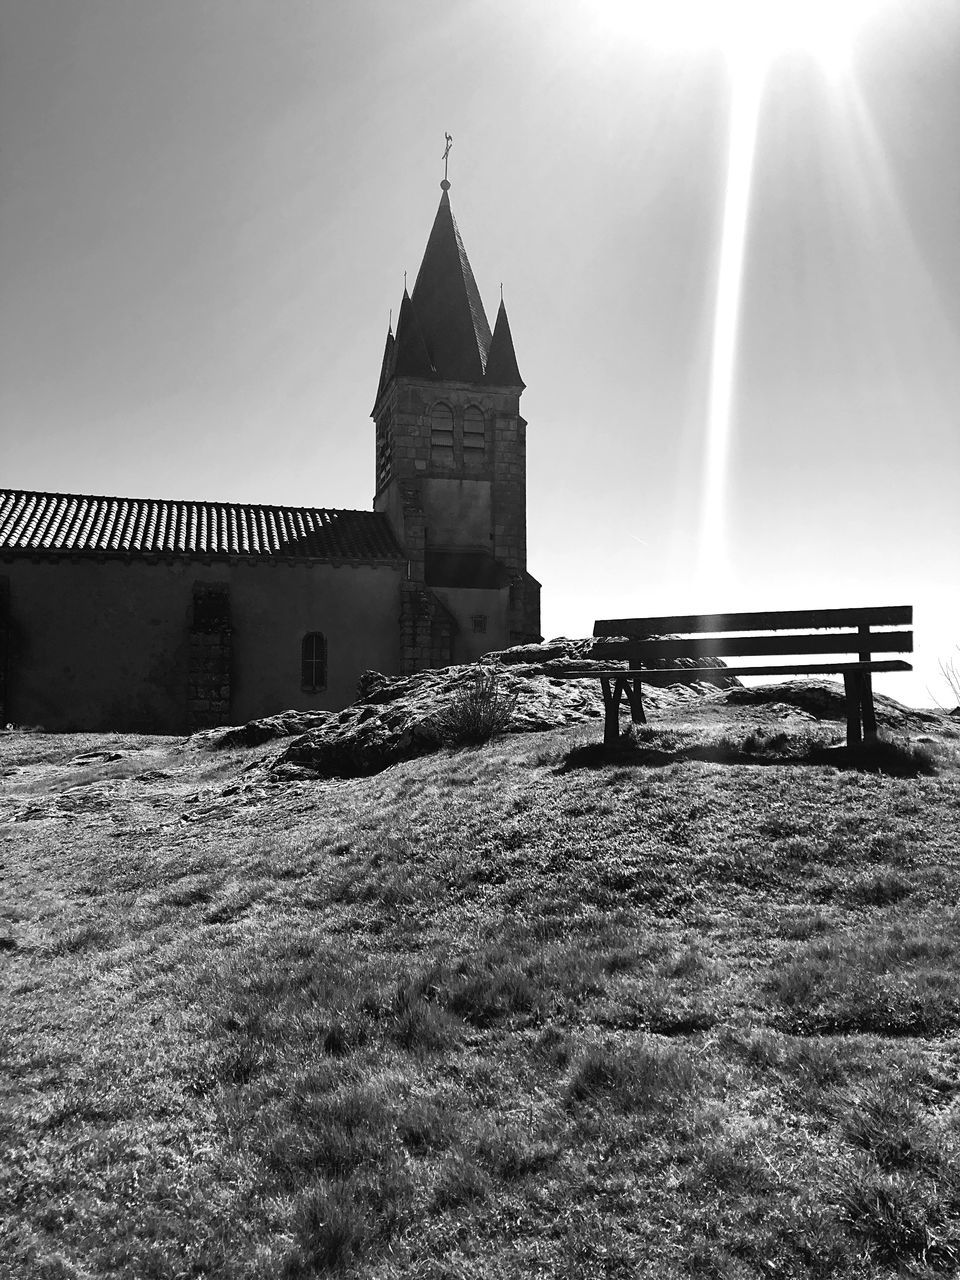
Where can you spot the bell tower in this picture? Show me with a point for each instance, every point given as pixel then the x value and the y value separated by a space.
pixel 451 463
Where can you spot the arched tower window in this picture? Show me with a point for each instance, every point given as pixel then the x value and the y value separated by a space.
pixel 474 435
pixel 441 433
pixel 313 662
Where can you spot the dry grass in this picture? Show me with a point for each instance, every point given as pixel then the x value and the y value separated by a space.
pixel 501 1013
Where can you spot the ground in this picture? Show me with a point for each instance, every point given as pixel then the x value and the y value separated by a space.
pixel 525 1010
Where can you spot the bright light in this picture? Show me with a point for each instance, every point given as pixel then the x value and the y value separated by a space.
pixel 741 146
pixel 752 31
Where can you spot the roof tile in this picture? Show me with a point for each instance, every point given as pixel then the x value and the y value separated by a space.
pixel 79 524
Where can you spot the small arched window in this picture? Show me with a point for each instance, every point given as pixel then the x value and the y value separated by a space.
pixel 313 662
pixel 474 436
pixel 441 433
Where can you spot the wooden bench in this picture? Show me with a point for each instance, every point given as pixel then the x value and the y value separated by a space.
pixel 646 642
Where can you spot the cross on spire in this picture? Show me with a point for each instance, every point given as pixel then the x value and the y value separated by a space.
pixel 445 185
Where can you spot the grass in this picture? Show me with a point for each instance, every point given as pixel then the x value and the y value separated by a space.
pixel 488 1014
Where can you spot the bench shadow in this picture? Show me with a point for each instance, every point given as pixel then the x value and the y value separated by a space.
pixel 890 758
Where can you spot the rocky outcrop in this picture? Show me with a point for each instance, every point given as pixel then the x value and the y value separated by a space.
pixel 397 718
pixel 255 732
pixel 825 700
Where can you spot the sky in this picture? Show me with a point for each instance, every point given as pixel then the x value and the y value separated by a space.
pixel 733 281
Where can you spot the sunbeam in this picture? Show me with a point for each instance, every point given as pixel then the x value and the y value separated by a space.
pixel 741 147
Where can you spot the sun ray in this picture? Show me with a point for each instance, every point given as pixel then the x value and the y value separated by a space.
pixel 746 92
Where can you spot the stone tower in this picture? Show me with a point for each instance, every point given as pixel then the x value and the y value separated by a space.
pixel 451 464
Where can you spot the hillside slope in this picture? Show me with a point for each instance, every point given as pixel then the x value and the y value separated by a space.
pixel 520 1011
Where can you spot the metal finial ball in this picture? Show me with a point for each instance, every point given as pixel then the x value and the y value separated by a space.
pixel 444 185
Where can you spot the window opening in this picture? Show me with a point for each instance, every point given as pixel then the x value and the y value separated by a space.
pixel 313 662
pixel 474 435
pixel 479 621
pixel 384 454
pixel 211 607
pixel 441 433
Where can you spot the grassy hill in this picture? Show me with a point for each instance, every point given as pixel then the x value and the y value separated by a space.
pixel 524 1011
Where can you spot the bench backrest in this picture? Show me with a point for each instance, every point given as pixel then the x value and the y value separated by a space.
pixel 848 631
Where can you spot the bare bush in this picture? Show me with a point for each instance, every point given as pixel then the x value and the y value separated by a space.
pixel 950 670
pixel 479 712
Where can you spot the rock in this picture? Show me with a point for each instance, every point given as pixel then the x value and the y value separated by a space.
pixel 825 699
pixel 399 717
pixel 285 724
pixel 538 654
pixel 562 654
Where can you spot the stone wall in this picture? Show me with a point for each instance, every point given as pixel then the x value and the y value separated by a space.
pixel 113 643
pixel 427 630
pixel 463 498
pixel 210 657
pixel 4 645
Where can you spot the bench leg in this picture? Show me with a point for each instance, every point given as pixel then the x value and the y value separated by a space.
pixel 635 694
pixel 851 686
pixel 866 706
pixel 611 703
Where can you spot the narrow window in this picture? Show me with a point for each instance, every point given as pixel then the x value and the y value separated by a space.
pixel 441 433
pixel 384 453
pixel 479 621
pixel 474 436
pixel 313 662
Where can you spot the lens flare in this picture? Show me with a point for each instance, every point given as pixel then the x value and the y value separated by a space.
pixel 741 148
pixel 747 30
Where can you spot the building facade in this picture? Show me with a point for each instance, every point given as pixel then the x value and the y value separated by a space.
pixel 170 616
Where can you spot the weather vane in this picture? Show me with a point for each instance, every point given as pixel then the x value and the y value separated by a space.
pixel 445 185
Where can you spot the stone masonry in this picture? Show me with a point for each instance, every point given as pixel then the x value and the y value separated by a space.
pixel 210 660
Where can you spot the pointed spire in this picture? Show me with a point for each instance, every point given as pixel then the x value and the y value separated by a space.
pixel 410 355
pixel 386 366
pixel 447 303
pixel 502 370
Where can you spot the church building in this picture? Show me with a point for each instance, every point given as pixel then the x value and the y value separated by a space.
pixel 167 616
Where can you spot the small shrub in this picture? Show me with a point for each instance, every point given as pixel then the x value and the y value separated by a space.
pixel 479 712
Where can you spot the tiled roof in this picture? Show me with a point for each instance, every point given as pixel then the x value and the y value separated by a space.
pixel 81 524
